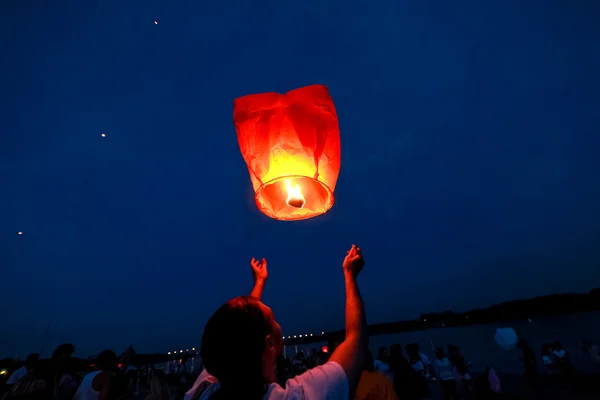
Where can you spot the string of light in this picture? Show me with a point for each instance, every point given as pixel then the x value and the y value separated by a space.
pixel 181 351
pixel 300 336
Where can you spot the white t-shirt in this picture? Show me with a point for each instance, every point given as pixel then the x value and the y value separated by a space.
pixel 424 359
pixel 17 376
pixel 86 389
pixel 443 368
pixel 326 381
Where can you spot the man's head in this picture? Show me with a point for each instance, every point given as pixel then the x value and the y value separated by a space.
pixel 439 353
pixel 241 343
pixel 383 355
pixel 63 351
pixel 32 361
pixel 107 361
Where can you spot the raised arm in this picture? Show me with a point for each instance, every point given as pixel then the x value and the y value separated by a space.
pixel 352 352
pixel 260 275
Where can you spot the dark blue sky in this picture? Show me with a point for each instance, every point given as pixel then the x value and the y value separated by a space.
pixel 469 162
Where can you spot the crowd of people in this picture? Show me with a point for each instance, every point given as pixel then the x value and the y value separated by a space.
pixel 252 365
pixel 406 374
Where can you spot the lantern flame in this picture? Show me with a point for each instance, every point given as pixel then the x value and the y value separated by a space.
pixel 295 197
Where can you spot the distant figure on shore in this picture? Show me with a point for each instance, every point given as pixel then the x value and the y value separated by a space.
pixel 373 385
pixel 242 341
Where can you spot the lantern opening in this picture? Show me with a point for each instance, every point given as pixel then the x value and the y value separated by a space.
pixel 294 195
pixel 291 198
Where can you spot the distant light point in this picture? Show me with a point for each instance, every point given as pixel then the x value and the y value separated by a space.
pixel 103 135
pixel 155 22
pixel 20 233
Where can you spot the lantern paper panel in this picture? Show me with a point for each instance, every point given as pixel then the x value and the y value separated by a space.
pixel 291 145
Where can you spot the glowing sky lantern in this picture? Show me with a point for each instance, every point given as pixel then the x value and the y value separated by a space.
pixel 291 144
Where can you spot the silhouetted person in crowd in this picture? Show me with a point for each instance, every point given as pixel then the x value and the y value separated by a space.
pixel 462 369
pixel 421 383
pixel 159 389
pixel 64 374
pixel 382 362
pixel 444 374
pixel 242 341
pixel 547 358
pixel 31 362
pixel 483 390
pixel 284 370
pixel 590 350
pixel 529 366
pixel 33 385
pixel 299 363
pixel 404 376
pixel 7 367
pixel 562 359
pixel 100 384
pixel 373 385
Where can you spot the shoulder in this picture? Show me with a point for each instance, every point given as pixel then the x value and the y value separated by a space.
pixel 102 379
pixel 328 381
pixel 204 383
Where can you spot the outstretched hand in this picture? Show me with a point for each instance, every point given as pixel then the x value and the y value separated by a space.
pixel 353 262
pixel 260 273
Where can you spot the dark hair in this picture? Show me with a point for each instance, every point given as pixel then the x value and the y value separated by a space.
pixel 107 360
pixel 32 360
pixel 65 349
pixel 369 363
pixel 439 353
pixel 412 350
pixel 382 349
pixel 232 346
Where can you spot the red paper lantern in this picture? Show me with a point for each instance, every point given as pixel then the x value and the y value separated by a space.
pixel 291 144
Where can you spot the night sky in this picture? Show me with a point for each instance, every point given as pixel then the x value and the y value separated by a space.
pixel 470 141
